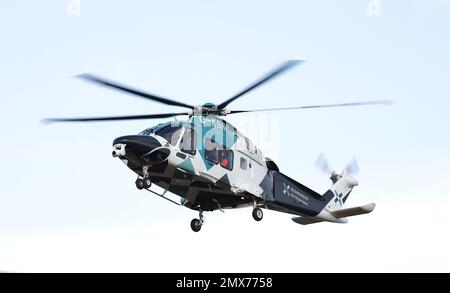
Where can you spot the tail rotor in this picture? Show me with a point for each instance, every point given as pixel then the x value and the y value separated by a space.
pixel 323 165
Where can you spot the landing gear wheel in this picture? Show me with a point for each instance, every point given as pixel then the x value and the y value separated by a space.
pixel 257 214
pixel 196 225
pixel 147 183
pixel 140 184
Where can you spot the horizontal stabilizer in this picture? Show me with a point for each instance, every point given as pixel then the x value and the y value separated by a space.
pixel 354 211
pixel 306 220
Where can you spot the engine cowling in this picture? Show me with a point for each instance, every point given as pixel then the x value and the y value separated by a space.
pixel 271 165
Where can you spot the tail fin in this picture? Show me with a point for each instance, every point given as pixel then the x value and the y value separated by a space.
pixel 343 183
pixel 341 190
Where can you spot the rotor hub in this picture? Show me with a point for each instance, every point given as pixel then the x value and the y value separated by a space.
pixel 210 109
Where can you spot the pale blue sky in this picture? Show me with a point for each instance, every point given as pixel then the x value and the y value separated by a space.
pixel 60 180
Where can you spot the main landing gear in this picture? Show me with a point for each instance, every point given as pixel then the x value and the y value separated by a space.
pixel 145 183
pixel 196 224
pixel 257 214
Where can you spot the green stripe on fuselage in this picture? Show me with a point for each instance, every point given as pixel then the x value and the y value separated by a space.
pixel 187 166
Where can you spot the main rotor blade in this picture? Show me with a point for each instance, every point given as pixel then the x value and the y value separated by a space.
pixel 117 86
pixel 113 118
pixel 277 71
pixel 385 103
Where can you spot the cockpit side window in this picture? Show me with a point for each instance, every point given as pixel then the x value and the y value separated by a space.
pixel 170 133
pixel 212 151
pixel 188 142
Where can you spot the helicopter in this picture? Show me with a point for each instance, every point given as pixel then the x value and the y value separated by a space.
pixel 209 165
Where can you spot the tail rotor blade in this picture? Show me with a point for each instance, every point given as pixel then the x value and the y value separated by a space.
pixel 352 168
pixel 323 165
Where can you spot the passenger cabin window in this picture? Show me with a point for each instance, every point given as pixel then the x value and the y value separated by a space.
pixel 188 142
pixel 170 133
pixel 244 164
pixel 250 146
pixel 226 158
pixel 216 153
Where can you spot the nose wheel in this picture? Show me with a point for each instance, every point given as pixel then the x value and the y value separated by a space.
pixel 257 214
pixel 196 224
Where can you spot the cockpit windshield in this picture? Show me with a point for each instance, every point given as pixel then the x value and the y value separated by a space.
pixel 171 133
pixel 149 131
pixel 156 129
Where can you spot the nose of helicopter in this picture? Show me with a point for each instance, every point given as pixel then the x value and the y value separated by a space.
pixel 138 144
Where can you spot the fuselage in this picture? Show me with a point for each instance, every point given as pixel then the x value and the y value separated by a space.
pixel 210 165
